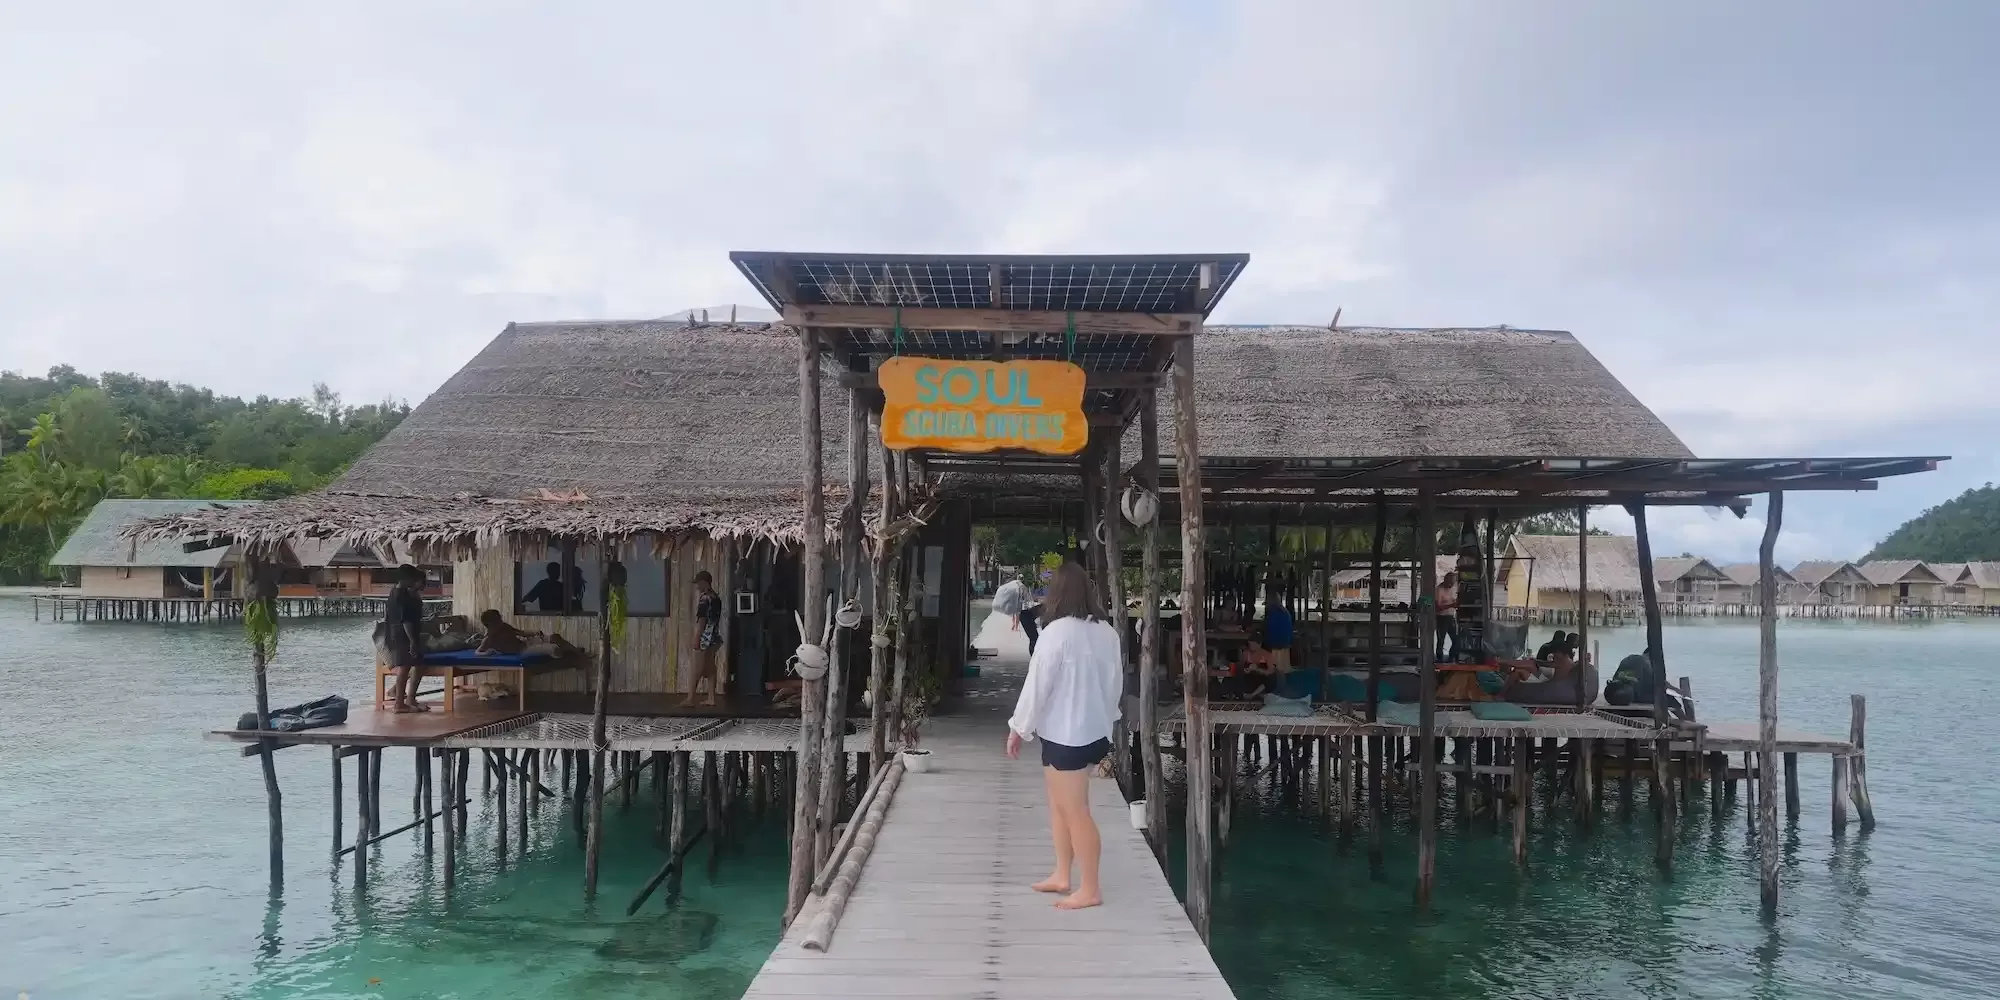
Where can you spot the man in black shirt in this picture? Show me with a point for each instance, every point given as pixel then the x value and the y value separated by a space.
pixel 547 595
pixel 405 637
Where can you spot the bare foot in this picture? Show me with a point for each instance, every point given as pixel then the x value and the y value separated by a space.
pixel 1080 901
pixel 1052 884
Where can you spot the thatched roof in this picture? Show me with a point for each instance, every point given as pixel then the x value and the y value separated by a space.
pixel 1888 572
pixel 1748 574
pixel 597 429
pixel 1984 574
pixel 1950 572
pixel 1614 562
pixel 1815 572
pixel 98 540
pixel 1284 392
pixel 1672 568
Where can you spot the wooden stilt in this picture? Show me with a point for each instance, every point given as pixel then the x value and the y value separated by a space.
pixel 1427 744
pixel 459 786
pixel 424 783
pixel 1461 783
pixel 264 588
pixel 338 805
pixel 881 626
pixel 1663 800
pixel 523 792
pixel 812 693
pixel 711 806
pixel 593 842
pixel 1350 749
pixel 500 817
pixel 1194 646
pixel 1839 795
pixel 677 828
pixel 1378 815
pixel 1857 762
pixel 362 828
pixel 1767 706
pixel 1522 791
pixel 1323 776
pixel 1630 761
pixel 1586 773
pixel 833 729
pixel 1149 633
pixel 452 794
pixel 1718 784
pixel 1791 787
pixel 1376 639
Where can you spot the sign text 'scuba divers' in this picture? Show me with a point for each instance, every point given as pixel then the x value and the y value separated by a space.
pixel 973 406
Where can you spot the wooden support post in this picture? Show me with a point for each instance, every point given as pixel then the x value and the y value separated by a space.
pixel 362 829
pixel 264 587
pixel 1378 810
pixel 1149 632
pixel 594 832
pixel 452 793
pixel 1857 763
pixel 1663 799
pixel 1791 787
pixel 833 732
pixel 1767 706
pixel 1583 599
pixel 1586 774
pixel 1718 784
pixel 1194 578
pixel 1114 588
pixel 1523 789
pixel 711 806
pixel 677 783
pixel 1427 743
pixel 1839 795
pixel 1461 782
pixel 881 624
pixel 1630 760
pixel 500 816
pixel 459 786
pixel 1376 639
pixel 424 786
pixel 523 791
pixel 338 805
pixel 1346 760
pixel 812 693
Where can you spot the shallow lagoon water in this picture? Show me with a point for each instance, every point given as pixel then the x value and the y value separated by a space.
pixel 132 855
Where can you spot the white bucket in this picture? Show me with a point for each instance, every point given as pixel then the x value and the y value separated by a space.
pixel 1138 814
pixel 916 761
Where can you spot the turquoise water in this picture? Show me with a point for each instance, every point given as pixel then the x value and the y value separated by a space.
pixel 132 858
pixel 132 855
pixel 1908 910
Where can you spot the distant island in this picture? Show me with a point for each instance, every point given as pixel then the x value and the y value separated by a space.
pixel 68 440
pixel 1963 529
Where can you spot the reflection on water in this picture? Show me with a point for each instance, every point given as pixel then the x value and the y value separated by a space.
pixel 132 860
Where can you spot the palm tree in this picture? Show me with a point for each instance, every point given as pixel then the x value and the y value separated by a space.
pixel 35 494
pixel 44 435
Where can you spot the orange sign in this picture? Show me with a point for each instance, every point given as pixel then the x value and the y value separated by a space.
pixel 983 405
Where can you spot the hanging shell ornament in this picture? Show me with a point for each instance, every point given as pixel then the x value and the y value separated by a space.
pixel 1140 506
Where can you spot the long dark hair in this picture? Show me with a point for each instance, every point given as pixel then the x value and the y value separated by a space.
pixel 1071 595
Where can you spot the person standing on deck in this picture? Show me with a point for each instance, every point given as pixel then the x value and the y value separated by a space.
pixel 1009 600
pixel 405 638
pixel 708 635
pixel 1447 616
pixel 1278 629
pixel 1070 702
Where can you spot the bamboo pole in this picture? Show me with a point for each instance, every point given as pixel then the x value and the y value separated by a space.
pixel 820 934
pixel 594 832
pixel 1149 634
pixel 1656 654
pixel 1857 762
pixel 812 693
pixel 1194 579
pixel 1767 706
pixel 834 732
pixel 1427 744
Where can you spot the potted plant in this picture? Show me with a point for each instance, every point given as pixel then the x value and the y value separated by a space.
pixel 917 703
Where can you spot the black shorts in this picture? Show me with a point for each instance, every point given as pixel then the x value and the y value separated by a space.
pixel 1066 758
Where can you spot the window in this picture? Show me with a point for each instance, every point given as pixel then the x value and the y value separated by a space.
pixel 930 581
pixel 563 581
pixel 647 576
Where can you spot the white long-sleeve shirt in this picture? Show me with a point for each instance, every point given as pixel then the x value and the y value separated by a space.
pixel 1074 684
pixel 1010 598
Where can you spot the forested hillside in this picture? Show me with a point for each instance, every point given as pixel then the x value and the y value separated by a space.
pixel 68 440
pixel 1963 529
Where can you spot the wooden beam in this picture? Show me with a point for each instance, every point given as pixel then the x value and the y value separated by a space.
pixel 1767 707
pixel 1194 646
pixel 1664 802
pixel 994 320
pixel 1149 634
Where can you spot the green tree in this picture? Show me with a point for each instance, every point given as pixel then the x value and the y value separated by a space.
pixel 248 484
pixel 1965 528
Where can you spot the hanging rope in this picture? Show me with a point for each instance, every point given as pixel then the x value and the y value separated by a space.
pixel 897 336
pixel 1069 337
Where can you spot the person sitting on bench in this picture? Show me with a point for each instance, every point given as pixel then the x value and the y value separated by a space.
pixel 501 637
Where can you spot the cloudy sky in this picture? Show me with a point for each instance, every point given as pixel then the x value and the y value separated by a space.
pixel 1777 222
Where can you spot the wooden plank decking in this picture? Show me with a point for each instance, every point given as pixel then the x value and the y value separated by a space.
pixel 943 908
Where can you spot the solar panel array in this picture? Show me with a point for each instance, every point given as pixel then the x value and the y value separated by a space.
pixel 1142 285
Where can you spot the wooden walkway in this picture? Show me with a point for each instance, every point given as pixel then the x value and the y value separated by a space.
pixel 944 909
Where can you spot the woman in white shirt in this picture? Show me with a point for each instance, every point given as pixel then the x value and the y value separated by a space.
pixel 1070 702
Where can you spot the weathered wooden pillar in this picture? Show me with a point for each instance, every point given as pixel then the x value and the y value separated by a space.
pixel 338 806
pixel 1522 786
pixel 1376 639
pixel 1194 602
pixel 1583 697
pixel 904 597
pixel 833 733
pixel 812 692
pixel 453 790
pixel 1857 763
pixel 1767 705
pixel 883 615
pixel 1114 589
pixel 1656 654
pixel 1791 787
pixel 1839 795
pixel 594 832
pixel 1149 632
pixel 264 590
pixel 1427 743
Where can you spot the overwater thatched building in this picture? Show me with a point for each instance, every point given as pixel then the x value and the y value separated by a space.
pixel 1540 571
pixel 1829 581
pixel 1900 581
pixel 110 565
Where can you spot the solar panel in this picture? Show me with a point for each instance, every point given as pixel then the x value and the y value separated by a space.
pixel 1143 284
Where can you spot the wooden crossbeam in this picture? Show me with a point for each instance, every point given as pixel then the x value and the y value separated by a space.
pixel 1091 380
pixel 995 320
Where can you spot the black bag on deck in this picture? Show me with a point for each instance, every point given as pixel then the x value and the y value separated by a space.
pixel 328 711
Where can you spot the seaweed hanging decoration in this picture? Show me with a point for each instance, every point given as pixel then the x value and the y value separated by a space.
pixel 617 611
pixel 260 623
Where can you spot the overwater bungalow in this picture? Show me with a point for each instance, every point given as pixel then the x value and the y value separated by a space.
pixel 1688 579
pixel 1741 580
pixel 1830 581
pixel 990 388
pixel 1893 582
pixel 115 567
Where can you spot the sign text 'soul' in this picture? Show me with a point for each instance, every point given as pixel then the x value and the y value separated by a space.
pixel 973 406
